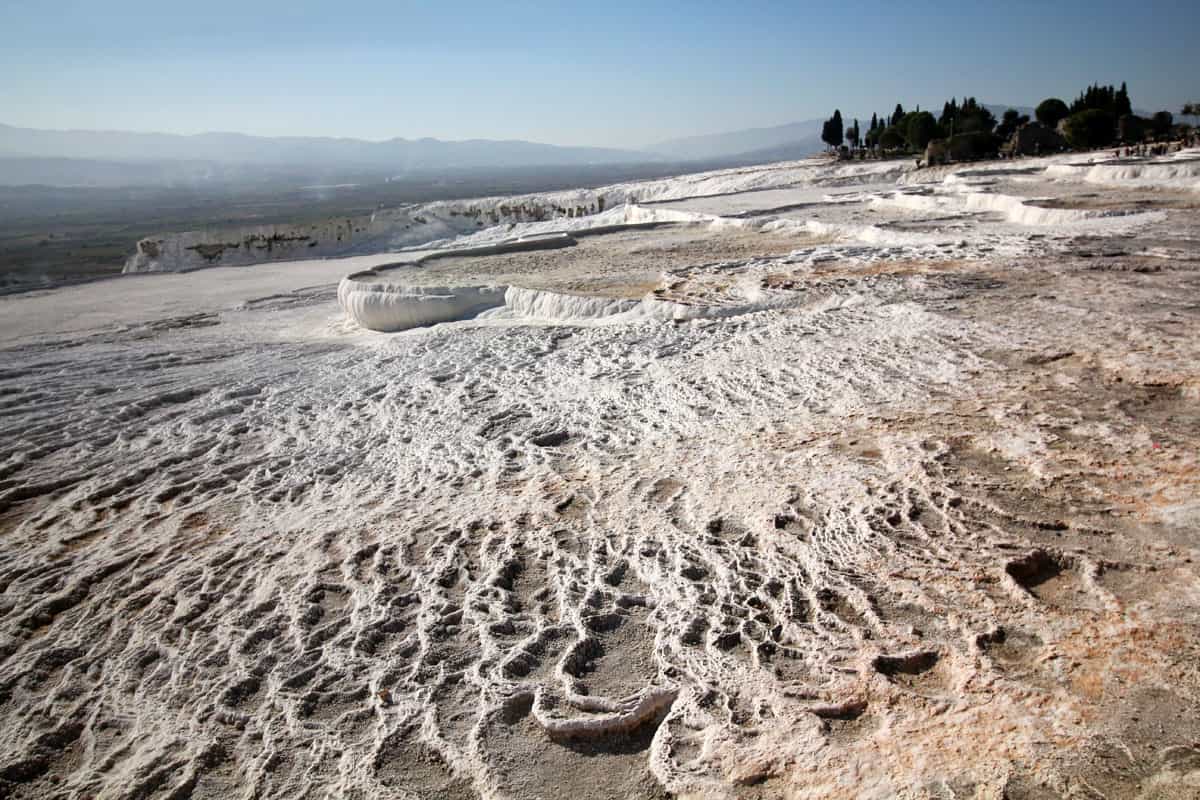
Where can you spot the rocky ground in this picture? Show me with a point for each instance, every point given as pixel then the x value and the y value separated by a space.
pixel 924 525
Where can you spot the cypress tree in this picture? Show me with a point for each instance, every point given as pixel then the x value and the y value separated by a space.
pixel 1121 103
pixel 831 132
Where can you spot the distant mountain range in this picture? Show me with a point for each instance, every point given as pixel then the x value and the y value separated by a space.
pixel 114 158
pixel 794 136
pixel 237 148
pixel 29 155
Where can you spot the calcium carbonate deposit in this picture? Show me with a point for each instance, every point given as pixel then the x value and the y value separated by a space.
pixel 803 480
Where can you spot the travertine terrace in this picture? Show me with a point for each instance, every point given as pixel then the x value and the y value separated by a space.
pixel 800 481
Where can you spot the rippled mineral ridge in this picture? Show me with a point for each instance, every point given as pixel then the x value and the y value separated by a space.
pixel 899 499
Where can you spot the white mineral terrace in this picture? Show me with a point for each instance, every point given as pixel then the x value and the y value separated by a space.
pixel 378 301
pixel 801 480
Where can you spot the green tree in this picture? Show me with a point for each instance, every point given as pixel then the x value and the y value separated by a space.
pixel 1050 111
pixel 1131 129
pixel 852 134
pixel 1093 127
pixel 1161 123
pixel 921 129
pixel 1009 124
pixel 970 146
pixel 949 116
pixel 1121 104
pixel 974 118
pixel 831 132
pixel 890 138
pixel 1103 98
pixel 872 137
pixel 897 115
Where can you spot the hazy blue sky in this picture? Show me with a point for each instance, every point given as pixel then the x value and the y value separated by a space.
pixel 601 72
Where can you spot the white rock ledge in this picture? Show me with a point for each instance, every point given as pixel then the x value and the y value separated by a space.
pixel 377 304
pixel 560 306
pixel 389 307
